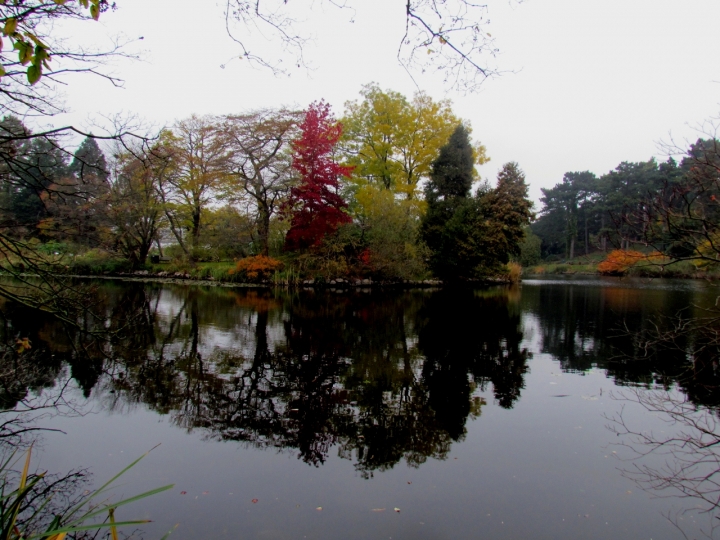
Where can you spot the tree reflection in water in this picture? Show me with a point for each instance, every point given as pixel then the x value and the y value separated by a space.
pixel 662 347
pixel 382 377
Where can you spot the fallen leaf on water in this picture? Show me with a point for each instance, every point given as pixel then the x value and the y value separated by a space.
pixel 397 510
pixel 409 482
pixel 319 508
pixel 378 509
pixel 206 493
pixel 254 501
pixel 183 493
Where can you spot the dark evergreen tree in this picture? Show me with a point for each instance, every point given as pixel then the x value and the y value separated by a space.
pixel 453 170
pixel 446 193
pixel 42 164
pixel 89 166
pixel 472 237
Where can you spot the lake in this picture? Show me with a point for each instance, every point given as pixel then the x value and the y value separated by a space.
pixel 506 412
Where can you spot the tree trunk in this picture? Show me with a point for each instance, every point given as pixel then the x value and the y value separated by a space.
pixel 264 230
pixel 195 227
pixel 143 252
pixel 572 248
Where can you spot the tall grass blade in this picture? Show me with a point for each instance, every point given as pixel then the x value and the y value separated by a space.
pixel 113 528
pixel 107 484
pixel 128 501
pixel 22 491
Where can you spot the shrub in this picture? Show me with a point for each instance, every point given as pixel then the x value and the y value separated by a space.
pixel 257 268
pixel 620 261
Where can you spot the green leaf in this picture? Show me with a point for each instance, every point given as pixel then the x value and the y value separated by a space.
pixel 2 71
pixel 25 51
pixel 10 26
pixel 95 11
pixel 59 2
pixel 34 73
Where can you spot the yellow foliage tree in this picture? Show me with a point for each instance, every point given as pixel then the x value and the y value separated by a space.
pixel 392 141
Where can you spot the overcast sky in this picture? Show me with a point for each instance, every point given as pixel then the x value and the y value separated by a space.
pixel 588 83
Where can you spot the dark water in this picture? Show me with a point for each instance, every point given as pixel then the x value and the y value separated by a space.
pixel 498 413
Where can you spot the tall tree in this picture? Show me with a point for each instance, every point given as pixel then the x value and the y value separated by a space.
pixel 199 175
pixel 472 236
pixel 509 208
pixel 315 206
pixel 261 163
pixel 89 165
pixel 136 209
pixel 392 141
pixel 446 193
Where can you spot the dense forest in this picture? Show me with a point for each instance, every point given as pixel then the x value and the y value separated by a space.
pixel 389 191
pixel 668 208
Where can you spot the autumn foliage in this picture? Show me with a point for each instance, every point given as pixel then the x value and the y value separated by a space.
pixel 315 207
pixel 619 261
pixel 257 268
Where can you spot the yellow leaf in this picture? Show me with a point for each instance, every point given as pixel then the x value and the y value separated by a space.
pixel 443 40
pixel 10 26
pixel 95 11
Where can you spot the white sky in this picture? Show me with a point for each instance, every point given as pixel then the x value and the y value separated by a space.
pixel 590 83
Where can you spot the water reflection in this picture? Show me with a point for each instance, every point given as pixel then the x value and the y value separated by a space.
pixel 381 377
pixel 653 337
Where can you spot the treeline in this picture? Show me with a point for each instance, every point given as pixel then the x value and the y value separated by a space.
pixel 634 205
pixel 385 192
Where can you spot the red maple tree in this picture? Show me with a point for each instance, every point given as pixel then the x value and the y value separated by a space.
pixel 315 206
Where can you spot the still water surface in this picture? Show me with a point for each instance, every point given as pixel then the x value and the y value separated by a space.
pixel 486 413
